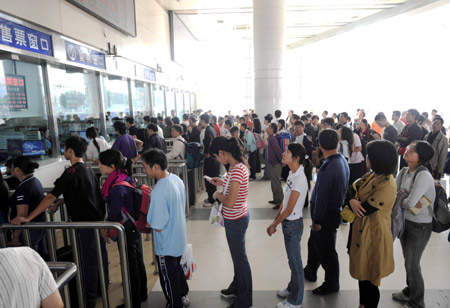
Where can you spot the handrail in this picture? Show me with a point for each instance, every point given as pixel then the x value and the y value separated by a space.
pixel 73 226
pixel 69 268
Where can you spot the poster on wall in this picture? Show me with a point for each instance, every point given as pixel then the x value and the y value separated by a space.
pixel 15 96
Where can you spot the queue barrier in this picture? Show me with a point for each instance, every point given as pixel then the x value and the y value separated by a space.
pixel 69 270
pixel 72 227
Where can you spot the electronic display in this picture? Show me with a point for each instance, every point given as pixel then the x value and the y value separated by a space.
pixel 33 148
pixel 119 14
pixel 16 91
pixel 14 147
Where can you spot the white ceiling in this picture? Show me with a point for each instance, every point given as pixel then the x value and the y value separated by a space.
pixel 215 19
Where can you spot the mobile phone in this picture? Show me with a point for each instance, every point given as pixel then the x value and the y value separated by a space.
pixel 208 178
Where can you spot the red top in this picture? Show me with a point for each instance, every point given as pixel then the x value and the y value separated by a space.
pixel 217 128
pixel 239 173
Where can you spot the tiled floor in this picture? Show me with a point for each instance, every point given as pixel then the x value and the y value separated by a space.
pixel 269 265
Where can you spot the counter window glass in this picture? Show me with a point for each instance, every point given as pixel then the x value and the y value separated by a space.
pixel 193 102
pixel 23 111
pixel 141 101
pixel 77 101
pixel 170 102
pixel 180 104
pixel 158 101
pixel 117 104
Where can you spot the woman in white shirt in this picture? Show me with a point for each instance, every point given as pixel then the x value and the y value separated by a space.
pixel 96 145
pixel 290 215
pixel 356 162
pixel 345 146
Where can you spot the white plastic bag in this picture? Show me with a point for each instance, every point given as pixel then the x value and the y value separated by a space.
pixel 188 263
pixel 216 216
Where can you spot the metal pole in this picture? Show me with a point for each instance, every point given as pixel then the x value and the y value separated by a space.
pixel 50 243
pixel 2 239
pixel 63 211
pixel 124 267
pixel 76 258
pixel 101 269
pixel 26 237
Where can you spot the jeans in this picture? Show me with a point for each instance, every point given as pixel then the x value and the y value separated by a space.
pixel 275 183
pixel 322 251
pixel 292 231
pixel 242 280
pixel 138 276
pixel 414 240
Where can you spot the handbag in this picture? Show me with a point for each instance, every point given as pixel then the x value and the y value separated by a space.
pixel 216 216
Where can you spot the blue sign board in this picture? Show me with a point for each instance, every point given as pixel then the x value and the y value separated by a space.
pixel 21 37
pixel 83 55
pixel 145 73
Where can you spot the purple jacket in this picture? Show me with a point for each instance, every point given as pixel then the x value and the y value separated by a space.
pixel 126 145
pixel 274 150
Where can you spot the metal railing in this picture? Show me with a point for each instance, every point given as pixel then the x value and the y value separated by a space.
pixel 68 269
pixel 179 168
pixel 72 227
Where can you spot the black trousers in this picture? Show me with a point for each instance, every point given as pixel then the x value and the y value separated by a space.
pixel 356 171
pixel 369 295
pixel 172 279
pixel 322 251
pixel 252 163
pixel 89 265
pixel 210 168
pixel 138 276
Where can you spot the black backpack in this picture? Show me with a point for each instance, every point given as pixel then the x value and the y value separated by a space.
pixel 193 154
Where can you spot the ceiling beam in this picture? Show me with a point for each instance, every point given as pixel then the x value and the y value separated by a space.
pixel 388 13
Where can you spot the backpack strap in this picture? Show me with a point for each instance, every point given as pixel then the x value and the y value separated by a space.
pixel 123 183
pixel 420 169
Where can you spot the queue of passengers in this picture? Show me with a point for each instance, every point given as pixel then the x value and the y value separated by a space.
pixel 356 163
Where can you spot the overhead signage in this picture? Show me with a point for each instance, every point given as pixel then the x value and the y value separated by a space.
pixel 21 37
pixel 119 14
pixel 146 73
pixel 16 92
pixel 83 55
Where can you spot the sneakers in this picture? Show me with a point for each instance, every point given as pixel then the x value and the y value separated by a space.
pixel 283 293
pixel 227 294
pixel 185 300
pixel 286 304
pixel 207 204
pixel 400 296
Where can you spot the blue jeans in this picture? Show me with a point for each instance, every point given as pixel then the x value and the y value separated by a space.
pixel 292 231
pixel 242 280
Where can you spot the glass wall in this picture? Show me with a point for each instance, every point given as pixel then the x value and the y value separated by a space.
pixel 117 103
pixel 187 103
pixel 170 102
pixel 180 104
pixel 158 101
pixel 23 111
pixel 77 102
pixel 141 101
pixel 193 102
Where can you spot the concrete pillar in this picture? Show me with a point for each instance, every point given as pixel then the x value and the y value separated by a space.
pixel 269 49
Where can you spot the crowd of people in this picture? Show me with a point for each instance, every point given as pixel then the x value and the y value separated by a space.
pixel 360 168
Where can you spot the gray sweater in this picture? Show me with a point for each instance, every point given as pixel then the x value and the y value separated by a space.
pixel 423 185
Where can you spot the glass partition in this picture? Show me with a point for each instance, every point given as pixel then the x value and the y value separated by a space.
pixel 180 104
pixel 187 104
pixel 170 102
pixel 117 103
pixel 158 101
pixel 193 102
pixel 23 111
pixel 75 93
pixel 141 101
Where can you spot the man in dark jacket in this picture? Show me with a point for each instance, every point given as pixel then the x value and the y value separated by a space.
pixel 154 141
pixel 327 199
pixel 211 165
pixel 303 138
pixel 410 133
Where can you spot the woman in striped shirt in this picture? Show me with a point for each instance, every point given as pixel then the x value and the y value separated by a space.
pixel 235 213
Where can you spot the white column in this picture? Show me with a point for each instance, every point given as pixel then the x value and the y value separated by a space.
pixel 269 49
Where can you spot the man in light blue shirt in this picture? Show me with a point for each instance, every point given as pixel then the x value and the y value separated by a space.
pixel 166 217
pixel 250 148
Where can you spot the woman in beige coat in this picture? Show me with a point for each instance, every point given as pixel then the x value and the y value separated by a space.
pixel 371 200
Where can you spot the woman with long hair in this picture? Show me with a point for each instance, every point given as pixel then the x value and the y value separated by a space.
pixel 118 190
pixel 267 120
pixel 257 130
pixel 27 196
pixel 236 216
pixel 345 146
pixel 417 180
pixel 96 144
pixel 371 199
pixel 290 215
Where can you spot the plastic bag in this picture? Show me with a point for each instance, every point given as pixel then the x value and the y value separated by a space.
pixel 216 216
pixel 188 263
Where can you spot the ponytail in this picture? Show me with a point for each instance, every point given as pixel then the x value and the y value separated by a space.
pixel 298 150
pixel 227 145
pixel 308 167
pixel 92 132
pixel 114 157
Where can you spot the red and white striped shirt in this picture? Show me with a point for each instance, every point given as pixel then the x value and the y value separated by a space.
pixel 239 173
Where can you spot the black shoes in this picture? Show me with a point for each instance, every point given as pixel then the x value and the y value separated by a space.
pixel 272 202
pixel 323 290
pixel 227 294
pixel 276 207
pixel 308 276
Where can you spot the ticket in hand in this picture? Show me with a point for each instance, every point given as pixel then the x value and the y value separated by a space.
pixel 208 178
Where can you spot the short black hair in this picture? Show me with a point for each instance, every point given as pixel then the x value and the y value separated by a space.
pixel 329 121
pixel 185 117
pixel 304 118
pixel 300 123
pixel 228 122
pixel 120 127
pixel 274 127
pixel 277 113
pixel 130 120
pixel 315 117
pixel 193 119
pixel 214 118
pixel 268 117
pixel 43 129
pixel 153 127
pixel 328 139
pixel 397 113
pixel 155 157
pixel 77 144
pixel 345 114
pixel 154 120
pixel 234 129
pixel 424 150
pixel 205 118
pixel 326 112
pixel 425 114
pixel 380 117
pixel 176 120
pixel 439 119
pixel 282 123
pixel 147 118
pixel 414 113
pixel 25 164
pixel 382 156
pixel 178 128
pixel 244 125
